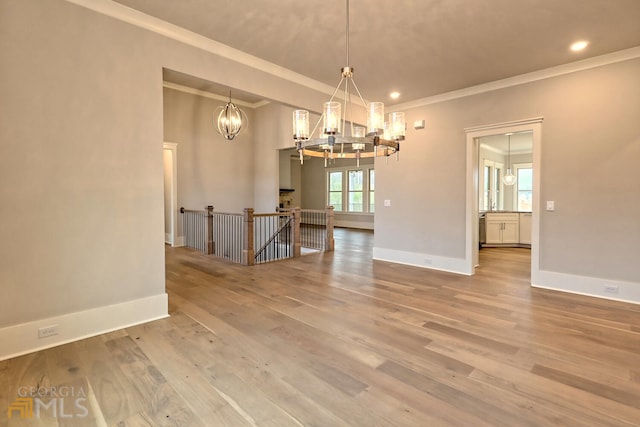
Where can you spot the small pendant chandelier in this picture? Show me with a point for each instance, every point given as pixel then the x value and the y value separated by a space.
pixel 509 178
pixel 229 120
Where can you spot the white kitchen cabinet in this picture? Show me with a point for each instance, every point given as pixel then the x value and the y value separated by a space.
pixel 502 228
pixel 525 228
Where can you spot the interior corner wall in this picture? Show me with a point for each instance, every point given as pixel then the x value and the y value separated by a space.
pixel 273 125
pixel 589 155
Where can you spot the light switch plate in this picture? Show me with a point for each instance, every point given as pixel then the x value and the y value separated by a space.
pixel 551 205
pixel 387 203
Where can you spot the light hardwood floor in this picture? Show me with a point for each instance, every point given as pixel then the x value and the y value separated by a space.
pixel 337 339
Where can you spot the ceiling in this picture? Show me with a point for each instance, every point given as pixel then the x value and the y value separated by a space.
pixel 419 48
pixel 521 143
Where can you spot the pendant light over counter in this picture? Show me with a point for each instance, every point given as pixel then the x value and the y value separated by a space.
pixel 509 178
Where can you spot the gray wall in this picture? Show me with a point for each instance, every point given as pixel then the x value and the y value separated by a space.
pixel 590 151
pixel 81 175
pixel 81 171
pixel 211 170
pixel 273 132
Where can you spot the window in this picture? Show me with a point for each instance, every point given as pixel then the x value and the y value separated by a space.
pixel 485 203
pixel 351 189
pixel 335 190
pixel 524 173
pixel 356 191
pixel 491 184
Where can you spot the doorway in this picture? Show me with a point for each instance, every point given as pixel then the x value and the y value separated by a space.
pixel 170 158
pixel 474 173
pixel 499 156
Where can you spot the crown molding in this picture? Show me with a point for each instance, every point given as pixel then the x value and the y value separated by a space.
pixel 158 26
pixel 210 95
pixel 560 70
pixel 523 122
pixel 174 32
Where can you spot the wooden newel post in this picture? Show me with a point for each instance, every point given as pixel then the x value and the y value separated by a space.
pixel 296 232
pixel 328 242
pixel 248 256
pixel 210 243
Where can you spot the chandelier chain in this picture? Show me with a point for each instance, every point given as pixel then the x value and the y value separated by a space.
pixel 348 64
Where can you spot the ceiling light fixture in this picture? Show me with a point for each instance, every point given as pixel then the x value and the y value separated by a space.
pixel 229 120
pixel 378 139
pixel 509 178
pixel 394 95
pixel 578 46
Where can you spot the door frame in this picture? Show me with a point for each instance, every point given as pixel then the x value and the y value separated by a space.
pixel 473 134
pixel 172 237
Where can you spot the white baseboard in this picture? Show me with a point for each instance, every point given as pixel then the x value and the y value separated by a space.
pixel 179 242
pixel 582 285
pixel 354 224
pixel 21 339
pixel 434 262
pixel 167 239
pixel 590 286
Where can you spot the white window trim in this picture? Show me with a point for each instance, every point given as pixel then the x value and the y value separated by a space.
pixel 496 197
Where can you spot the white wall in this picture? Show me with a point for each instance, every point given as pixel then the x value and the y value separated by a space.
pixel 168 177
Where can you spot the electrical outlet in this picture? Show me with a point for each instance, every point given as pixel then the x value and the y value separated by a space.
pixel 47 331
pixel 611 289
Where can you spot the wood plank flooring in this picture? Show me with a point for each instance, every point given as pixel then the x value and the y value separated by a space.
pixel 337 339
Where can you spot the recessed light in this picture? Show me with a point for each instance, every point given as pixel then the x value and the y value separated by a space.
pixel 394 95
pixel 578 46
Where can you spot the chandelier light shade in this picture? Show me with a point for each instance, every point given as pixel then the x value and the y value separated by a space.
pixel 358 132
pixel 230 120
pixel 332 116
pixel 509 178
pixel 339 136
pixel 300 124
pixel 397 126
pixel 375 118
